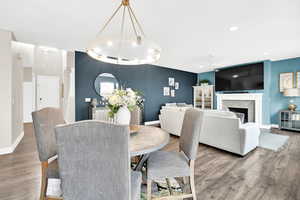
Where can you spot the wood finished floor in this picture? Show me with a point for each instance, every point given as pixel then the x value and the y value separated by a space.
pixel 261 175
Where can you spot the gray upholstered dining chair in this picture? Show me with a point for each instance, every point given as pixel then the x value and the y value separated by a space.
pixel 44 122
pixel 163 164
pixel 94 162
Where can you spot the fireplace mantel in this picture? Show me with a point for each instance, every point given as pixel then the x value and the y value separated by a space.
pixel 256 97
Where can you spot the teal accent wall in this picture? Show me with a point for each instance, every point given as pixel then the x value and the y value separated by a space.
pixel 208 76
pixel 273 100
pixel 278 101
pixel 266 104
pixel 149 79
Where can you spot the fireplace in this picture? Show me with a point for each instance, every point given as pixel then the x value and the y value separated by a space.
pixel 246 107
pixel 240 110
pixel 250 101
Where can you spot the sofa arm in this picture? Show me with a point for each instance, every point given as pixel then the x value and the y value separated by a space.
pixel 250 133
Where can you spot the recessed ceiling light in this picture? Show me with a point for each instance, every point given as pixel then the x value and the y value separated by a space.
pixel 109 43
pixel 266 53
pixel 234 28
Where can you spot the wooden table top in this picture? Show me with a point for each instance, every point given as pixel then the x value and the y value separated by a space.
pixel 147 139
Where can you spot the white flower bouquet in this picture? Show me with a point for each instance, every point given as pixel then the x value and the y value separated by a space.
pixel 123 98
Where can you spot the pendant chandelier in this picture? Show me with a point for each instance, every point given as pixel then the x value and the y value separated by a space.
pixel 129 47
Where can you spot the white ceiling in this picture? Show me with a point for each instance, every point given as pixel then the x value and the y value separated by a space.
pixel 194 35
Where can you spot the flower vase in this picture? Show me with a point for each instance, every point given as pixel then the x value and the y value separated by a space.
pixel 123 116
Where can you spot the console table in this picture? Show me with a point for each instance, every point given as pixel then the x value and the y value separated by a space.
pixel 289 120
pixel 101 113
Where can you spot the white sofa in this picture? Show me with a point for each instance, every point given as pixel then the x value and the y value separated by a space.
pixel 170 113
pixel 171 119
pixel 221 129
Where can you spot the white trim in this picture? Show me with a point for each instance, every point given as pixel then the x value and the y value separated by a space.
pixel 256 97
pixel 149 123
pixel 274 126
pixel 266 126
pixel 10 149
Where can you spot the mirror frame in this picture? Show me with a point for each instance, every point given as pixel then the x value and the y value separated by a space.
pixel 94 84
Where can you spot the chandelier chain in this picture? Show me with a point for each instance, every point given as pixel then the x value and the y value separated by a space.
pixel 132 22
pixel 122 31
pixel 138 23
pixel 109 20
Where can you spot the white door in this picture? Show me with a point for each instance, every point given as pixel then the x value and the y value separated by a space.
pixel 47 91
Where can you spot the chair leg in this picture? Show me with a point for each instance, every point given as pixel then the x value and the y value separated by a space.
pixel 149 189
pixel 192 179
pixel 185 180
pixel 43 188
pixel 44 166
pixel 192 183
pixel 169 186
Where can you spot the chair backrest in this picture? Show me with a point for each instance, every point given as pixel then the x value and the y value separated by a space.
pixel 44 122
pixel 94 160
pixel 190 132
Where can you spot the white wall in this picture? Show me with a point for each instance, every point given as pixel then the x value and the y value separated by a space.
pixel 11 96
pixel 27 74
pixel 5 88
pixel 69 86
pixel 28 101
pixel 48 62
pixel 17 62
pixel 45 61
pixel 17 94
pixel 26 52
pixel 28 94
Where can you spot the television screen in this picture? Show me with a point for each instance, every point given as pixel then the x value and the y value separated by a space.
pixel 245 77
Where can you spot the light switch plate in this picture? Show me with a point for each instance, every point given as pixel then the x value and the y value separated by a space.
pixel 87 100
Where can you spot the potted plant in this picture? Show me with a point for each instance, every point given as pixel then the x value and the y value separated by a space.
pixel 121 102
pixel 203 82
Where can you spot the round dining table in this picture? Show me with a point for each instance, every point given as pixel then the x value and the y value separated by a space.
pixel 146 139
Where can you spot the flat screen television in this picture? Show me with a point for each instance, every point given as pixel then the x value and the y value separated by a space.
pixel 244 77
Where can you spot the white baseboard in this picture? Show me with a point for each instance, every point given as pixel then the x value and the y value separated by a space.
pixel 266 126
pixel 149 123
pixel 10 149
pixel 269 126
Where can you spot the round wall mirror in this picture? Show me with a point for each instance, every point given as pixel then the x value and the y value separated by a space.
pixel 105 84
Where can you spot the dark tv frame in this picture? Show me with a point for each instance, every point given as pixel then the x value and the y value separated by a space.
pixel 240 66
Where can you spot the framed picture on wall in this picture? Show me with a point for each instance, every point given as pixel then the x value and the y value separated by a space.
pixel 297 79
pixel 172 93
pixel 176 85
pixel 286 81
pixel 166 91
pixel 171 81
